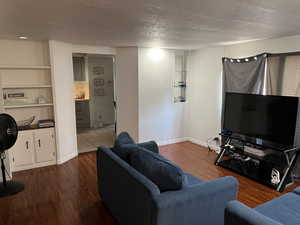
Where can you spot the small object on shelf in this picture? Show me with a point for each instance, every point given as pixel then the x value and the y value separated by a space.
pixel 257 152
pixel 41 100
pixel 46 123
pixel 25 123
pixel 179 99
pixel 13 97
pixel 180 84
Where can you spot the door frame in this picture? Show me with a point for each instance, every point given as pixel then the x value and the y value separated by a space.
pixel 113 57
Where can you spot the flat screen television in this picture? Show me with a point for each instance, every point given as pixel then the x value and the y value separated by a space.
pixel 270 118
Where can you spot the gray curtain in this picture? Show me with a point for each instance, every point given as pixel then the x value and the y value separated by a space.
pixel 275 69
pixel 244 75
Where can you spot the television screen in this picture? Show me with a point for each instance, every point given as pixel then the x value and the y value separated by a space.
pixel 270 118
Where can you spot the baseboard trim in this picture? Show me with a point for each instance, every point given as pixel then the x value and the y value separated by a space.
pixel 198 142
pixel 87 150
pixel 66 158
pixel 171 141
pixel 203 143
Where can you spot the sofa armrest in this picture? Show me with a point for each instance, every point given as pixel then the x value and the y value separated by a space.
pixel 201 203
pixel 237 213
pixel 150 145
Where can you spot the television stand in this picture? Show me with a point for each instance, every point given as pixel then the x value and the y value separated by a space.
pixel 269 166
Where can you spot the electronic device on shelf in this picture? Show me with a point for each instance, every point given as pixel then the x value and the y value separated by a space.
pixel 271 120
pixel 258 137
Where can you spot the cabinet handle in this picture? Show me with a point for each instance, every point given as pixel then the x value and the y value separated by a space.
pixel 27 144
pixel 39 141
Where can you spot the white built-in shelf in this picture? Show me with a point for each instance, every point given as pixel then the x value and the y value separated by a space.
pixel 3 67
pixel 26 105
pixel 25 86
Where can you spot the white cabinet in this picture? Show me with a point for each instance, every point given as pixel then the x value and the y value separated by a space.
pixel 23 150
pixel 44 145
pixel 34 148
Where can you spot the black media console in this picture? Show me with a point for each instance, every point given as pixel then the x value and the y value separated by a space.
pixel 269 166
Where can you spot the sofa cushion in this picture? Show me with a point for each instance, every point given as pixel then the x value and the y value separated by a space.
pixel 122 145
pixel 162 172
pixel 284 209
pixel 150 145
pixel 123 138
pixel 191 180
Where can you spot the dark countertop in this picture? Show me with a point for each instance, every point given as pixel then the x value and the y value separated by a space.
pixel 32 127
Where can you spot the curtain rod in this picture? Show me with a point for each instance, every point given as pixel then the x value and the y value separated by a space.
pixel 284 54
pixel 266 54
pixel 245 59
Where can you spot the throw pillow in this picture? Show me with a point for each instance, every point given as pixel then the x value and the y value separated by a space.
pixel 161 171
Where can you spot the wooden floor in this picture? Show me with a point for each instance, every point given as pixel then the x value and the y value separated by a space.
pixel 67 194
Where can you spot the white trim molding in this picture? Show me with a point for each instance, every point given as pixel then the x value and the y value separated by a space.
pixel 171 141
pixel 66 158
pixel 203 143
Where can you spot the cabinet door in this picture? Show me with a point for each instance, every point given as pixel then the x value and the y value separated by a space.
pixel 23 150
pixel 45 150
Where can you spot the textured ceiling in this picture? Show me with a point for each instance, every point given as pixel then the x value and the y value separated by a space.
pixel 154 23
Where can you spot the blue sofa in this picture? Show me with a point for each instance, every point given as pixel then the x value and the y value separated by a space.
pixel 133 199
pixel 284 210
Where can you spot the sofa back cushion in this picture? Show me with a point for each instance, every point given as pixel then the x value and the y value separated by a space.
pixel 162 172
pixel 123 138
pixel 122 145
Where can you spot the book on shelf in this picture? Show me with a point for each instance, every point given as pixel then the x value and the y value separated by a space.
pixel 46 123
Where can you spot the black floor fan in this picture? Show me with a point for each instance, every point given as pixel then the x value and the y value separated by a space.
pixel 8 137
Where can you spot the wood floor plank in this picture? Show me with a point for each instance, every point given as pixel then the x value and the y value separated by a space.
pixel 67 194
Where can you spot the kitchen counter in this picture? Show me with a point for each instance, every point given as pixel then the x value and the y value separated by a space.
pixel 81 100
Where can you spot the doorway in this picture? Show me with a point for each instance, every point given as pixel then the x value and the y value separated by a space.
pixel 94 101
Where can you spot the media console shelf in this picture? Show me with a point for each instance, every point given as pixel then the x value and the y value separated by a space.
pixel 273 168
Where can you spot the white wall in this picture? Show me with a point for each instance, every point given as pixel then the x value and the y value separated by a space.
pixel 126 89
pixel 202 117
pixel 63 91
pixel 203 111
pixel 160 119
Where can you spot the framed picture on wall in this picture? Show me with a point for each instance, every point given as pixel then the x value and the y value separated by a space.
pixel 99 92
pixel 98 70
pixel 98 82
